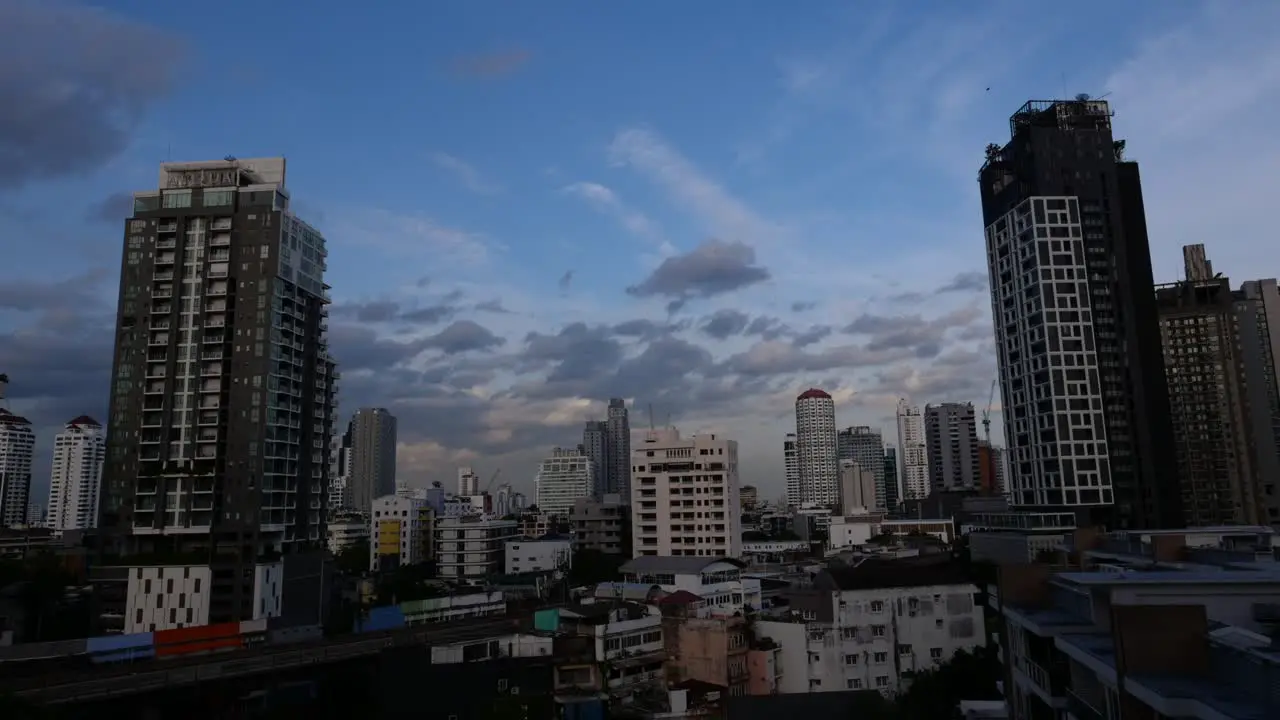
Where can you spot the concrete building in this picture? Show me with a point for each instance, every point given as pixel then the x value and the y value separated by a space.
pixel 685 496
pixel 893 492
pixel 816 452
pixel 562 480
pixel 864 446
pixel 716 582
pixel 791 463
pixel 545 554
pixel 618 425
pixel 1076 328
pixel 17 450
pixel 340 460
pixel 1016 537
pixel 602 525
pixel 595 445
pixel 373 457
pixel 913 452
pixel 166 597
pixel 1163 642
pixel 851 531
pixel 951 434
pixel 468 482
pixel 706 649
pixel 401 532
pixel 858 494
pixel 78 453
pixel 606 647
pixel 471 549
pixel 1222 385
pixel 748 497
pixel 222 409
pixel 869 627
pixel 345 530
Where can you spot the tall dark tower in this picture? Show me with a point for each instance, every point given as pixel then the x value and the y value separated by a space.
pixel 222 395
pixel 1086 404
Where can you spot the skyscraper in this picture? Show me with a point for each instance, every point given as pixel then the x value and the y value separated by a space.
pixel 1083 389
pixel 339 471
pixel 865 446
pixel 74 485
pixel 373 457
pixel 892 483
pixel 1221 380
pixel 563 479
pixel 816 452
pixel 913 452
pixel 951 434
pixel 619 448
pixel 791 464
pixel 222 394
pixel 17 448
pixel 595 445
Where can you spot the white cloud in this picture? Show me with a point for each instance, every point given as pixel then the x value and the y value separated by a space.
pixel 410 234
pixel 470 178
pixel 637 223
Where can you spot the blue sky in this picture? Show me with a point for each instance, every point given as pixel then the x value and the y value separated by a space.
pixel 786 189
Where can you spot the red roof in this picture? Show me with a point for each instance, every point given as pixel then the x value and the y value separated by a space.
pixel 85 420
pixel 814 393
pixel 8 418
pixel 680 597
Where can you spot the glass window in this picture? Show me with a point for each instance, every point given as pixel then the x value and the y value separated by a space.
pixel 218 198
pixel 142 204
pixel 177 198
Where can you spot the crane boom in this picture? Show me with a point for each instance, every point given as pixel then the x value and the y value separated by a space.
pixel 986 413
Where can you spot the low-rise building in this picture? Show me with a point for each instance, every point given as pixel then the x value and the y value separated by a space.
pixel 470 549
pixel 848 531
pixel 718 583
pixel 601 524
pixel 707 649
pixel 549 553
pixel 346 530
pixel 400 532
pixel 171 596
pixel 1015 537
pixel 606 647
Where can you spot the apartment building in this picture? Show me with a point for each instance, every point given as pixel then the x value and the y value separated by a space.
pixel 863 445
pixel 17 449
pixel 602 525
pixel 791 464
pixel 913 452
pixel 706 649
pixel 951 434
pixel 401 532
pixel 166 597
pixel 469 549
pixel 608 647
pixel 548 553
pixel 717 583
pixel 564 478
pixel 1190 643
pixel 684 493
pixel 816 449
pixel 869 627
pixel 346 529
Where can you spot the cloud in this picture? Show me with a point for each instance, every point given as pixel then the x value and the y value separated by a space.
pixel 973 281
pixel 409 234
pixel 802 305
pixel 73 294
pixel 912 332
pixel 493 306
pixel 77 83
pixel 113 209
pixel 565 281
pixel 463 336
pixel 490 65
pixel 470 178
pixel 724 323
pixel 387 311
pixel 713 268
pixel 606 201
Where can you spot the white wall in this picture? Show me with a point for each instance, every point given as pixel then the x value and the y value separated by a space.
pixel 167 597
pixel 508 646
pixel 268 590
pixel 536 555
pixel 793 655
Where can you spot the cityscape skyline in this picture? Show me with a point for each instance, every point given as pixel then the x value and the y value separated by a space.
pixel 726 367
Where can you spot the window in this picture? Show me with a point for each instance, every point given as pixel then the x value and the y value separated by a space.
pixel 877 630
pixel 877 606
pixel 881 657
pixel 850 659
pixel 935 653
pixel 853 684
pixel 882 681
pixel 218 198
pixel 177 198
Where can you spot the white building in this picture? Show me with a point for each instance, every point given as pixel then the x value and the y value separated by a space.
pixel 17 449
pixel 400 532
pixel 345 530
pixel 468 482
pixel 538 555
pixel 684 495
pixel 471 549
pixel 792 465
pixel 563 478
pixel 858 489
pixel 913 452
pixel 1031 250
pixel 78 453
pixel 817 453
pixel 165 597
pixel 871 626
pixel 850 531
pixel 718 582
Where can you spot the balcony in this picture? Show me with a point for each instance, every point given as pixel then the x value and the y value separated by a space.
pixel 167 227
pixel 166 244
pixel 1081 709
pixel 162 275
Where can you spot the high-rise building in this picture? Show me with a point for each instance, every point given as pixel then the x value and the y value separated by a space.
pixel 951 433
pixel 595 445
pixel 339 471
pixel 468 481
pixel 892 482
pixel 791 465
pixel 913 452
pixel 562 479
pixel 373 457
pixel 864 446
pixel 1083 389
pixel 76 480
pixel 685 498
pixel 816 452
pixel 222 399
pixel 1221 378
pixel 17 449
pixel 619 448
pixel 859 493
pixel 748 496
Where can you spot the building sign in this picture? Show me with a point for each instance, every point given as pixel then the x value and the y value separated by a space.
pixel 225 177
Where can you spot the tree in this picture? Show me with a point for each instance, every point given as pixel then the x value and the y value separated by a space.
pixel 935 693
pixel 353 559
pixel 592 566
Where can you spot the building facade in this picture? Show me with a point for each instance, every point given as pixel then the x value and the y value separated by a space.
pixel 913 452
pixel 595 445
pixel 893 492
pixel 601 524
pixel 76 479
pixel 1083 389
pixel 339 471
pixel 562 480
pixel 618 425
pixel 471 549
pixel 373 457
pixel 951 433
pixel 817 456
pixel 685 496
pixel 401 532
pixel 791 465
pixel 548 553
pixel 17 450
pixel 858 489
pixel 865 446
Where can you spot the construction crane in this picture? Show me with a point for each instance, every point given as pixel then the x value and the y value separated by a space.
pixel 986 413
pixel 489 485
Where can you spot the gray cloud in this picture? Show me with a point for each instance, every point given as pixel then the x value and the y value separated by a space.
pixel 493 306
pixel 972 281
pixel 725 323
pixel 802 305
pixel 713 268
pixel 576 352
pixel 648 329
pixel 77 84
pixel 386 311
pixel 565 281
pixel 813 335
pixel 463 336
pixel 73 294
pixel 923 337
pixel 113 209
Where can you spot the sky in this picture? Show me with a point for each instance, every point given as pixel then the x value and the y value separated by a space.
pixel 705 208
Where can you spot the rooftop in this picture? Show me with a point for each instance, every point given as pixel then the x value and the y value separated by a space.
pixel 1263 576
pixel 874 573
pixel 814 393
pixel 656 564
